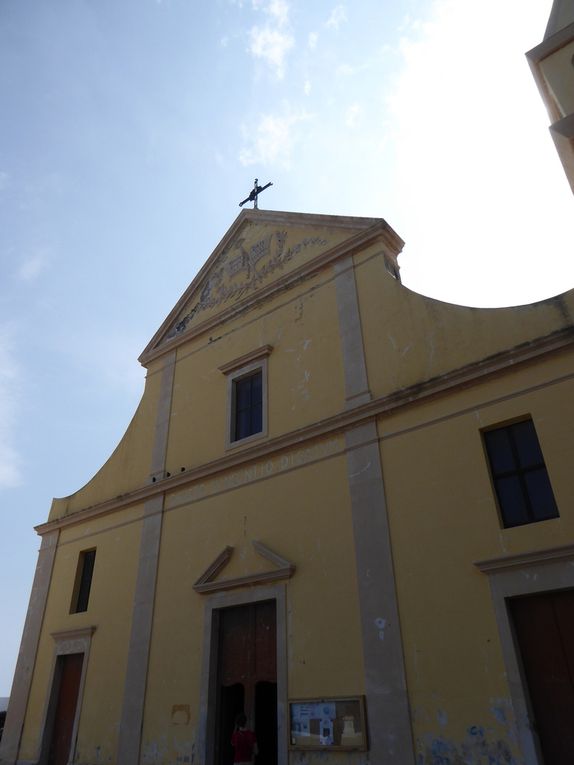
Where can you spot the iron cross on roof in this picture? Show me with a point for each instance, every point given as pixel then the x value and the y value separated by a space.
pixel 255 193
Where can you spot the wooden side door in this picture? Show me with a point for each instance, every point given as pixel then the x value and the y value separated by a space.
pixel 544 629
pixel 66 689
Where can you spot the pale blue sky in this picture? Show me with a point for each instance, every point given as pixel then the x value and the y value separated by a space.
pixel 129 132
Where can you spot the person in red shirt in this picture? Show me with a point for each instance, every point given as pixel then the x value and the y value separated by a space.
pixel 244 742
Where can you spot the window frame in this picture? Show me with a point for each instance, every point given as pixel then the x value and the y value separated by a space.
pixel 239 369
pixel 79 581
pixel 234 419
pixel 519 471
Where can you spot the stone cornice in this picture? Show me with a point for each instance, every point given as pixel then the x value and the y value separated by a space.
pixel 551 44
pixel 564 126
pixel 519 560
pixel 283 217
pixel 247 358
pixel 378 231
pixel 537 55
pixel 75 633
pixel 330 426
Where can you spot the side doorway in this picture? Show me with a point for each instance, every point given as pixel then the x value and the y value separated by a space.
pixel 60 729
pixel 246 677
pixel 544 633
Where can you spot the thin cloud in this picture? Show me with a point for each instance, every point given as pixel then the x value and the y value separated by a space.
pixel 106 355
pixel 279 11
pixel 353 115
pixel 312 40
pixel 274 140
pixel 338 16
pixel 345 70
pixel 34 265
pixel 271 46
pixel 272 41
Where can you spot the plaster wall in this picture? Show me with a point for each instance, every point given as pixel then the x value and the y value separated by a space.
pixel 305 375
pixel 410 338
pixel 443 517
pixel 116 539
pixel 297 501
pixel 304 516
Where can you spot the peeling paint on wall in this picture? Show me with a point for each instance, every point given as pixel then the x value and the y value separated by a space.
pixel 502 711
pixel 477 748
pixel 168 753
pixel 380 624
pixel 442 717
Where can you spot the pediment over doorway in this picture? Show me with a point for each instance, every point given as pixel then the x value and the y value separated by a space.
pixel 208 581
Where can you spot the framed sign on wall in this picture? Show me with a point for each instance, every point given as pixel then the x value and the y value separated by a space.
pixel 334 723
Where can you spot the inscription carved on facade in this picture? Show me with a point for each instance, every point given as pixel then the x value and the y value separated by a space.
pixel 255 472
pixel 240 269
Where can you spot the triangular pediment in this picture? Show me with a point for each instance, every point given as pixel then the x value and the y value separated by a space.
pixel 208 582
pixel 261 251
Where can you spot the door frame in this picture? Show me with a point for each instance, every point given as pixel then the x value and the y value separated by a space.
pixel 67 642
pixel 510 576
pixel 208 692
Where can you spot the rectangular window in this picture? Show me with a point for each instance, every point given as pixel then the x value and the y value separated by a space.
pixel 247 405
pixel 519 474
pixel 83 581
pixel 246 396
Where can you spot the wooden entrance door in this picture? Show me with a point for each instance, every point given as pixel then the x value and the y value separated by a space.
pixel 544 627
pixel 66 688
pixel 247 677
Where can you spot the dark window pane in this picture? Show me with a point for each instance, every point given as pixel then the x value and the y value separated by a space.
pixel 243 393
pixel 526 442
pixel 540 494
pixel 499 450
pixel 511 501
pixel 248 393
pixel 520 477
pixel 242 429
pixel 87 560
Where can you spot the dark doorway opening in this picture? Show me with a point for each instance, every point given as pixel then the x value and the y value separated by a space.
pixel 544 630
pixel 62 708
pixel 247 678
pixel 231 703
pixel 266 722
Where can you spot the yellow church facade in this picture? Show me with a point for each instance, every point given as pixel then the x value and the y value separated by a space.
pixel 341 507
